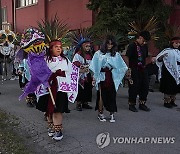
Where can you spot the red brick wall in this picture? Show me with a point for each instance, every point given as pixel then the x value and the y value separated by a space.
pixel 175 16
pixel 26 17
pixel 74 12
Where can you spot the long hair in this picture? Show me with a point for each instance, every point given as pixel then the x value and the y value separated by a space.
pixel 49 51
pixel 82 50
pixel 104 48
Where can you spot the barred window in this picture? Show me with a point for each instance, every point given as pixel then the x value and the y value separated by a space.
pixel 22 3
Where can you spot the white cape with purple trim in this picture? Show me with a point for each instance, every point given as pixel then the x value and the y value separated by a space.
pixel 68 84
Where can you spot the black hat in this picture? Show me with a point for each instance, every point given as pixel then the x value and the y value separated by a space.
pixel 146 35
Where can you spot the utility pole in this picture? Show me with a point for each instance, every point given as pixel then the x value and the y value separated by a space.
pixel 0 16
pixel 14 15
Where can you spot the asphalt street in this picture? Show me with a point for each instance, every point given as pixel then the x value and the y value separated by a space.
pixel 155 132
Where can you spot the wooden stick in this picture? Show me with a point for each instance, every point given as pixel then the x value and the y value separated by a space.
pixel 53 101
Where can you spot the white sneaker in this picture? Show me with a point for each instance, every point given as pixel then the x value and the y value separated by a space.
pixel 58 136
pixel 17 77
pixel 101 117
pixel 112 119
pixel 12 79
pixel 51 133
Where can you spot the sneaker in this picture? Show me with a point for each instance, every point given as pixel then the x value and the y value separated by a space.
pixel 58 136
pixel 29 104
pixel 133 108
pixel 34 103
pixel 101 117
pixel 112 119
pixel 144 107
pixel 45 117
pixel 68 111
pixel 51 132
pixel 12 79
pixel 17 77
pixel 79 107
pixel 86 106
pixel 173 104
pixel 168 105
pixel 151 90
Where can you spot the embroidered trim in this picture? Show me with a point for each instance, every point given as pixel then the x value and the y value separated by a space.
pixel 142 102
pixel 58 128
pixel 50 125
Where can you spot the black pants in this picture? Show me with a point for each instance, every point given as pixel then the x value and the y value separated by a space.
pixel 139 87
pixel 85 95
pixel 108 98
pixel 168 84
pixel 21 84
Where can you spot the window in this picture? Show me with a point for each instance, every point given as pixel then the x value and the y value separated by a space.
pixel 22 3
pixel 4 14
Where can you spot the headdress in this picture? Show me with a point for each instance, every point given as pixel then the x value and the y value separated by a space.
pixel 80 36
pixel 7 36
pixel 141 27
pixel 98 38
pixel 33 41
pixel 172 32
pixel 7 39
pixel 54 29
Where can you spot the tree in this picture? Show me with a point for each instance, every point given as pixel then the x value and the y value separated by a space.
pixel 115 15
pixel 111 15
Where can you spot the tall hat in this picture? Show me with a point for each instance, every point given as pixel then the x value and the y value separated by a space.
pixel 141 27
pixel 54 29
pixel 32 41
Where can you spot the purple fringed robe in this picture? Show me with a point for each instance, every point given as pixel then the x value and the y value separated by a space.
pixel 40 73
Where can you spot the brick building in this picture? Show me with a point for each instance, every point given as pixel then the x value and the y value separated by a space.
pixel 20 14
